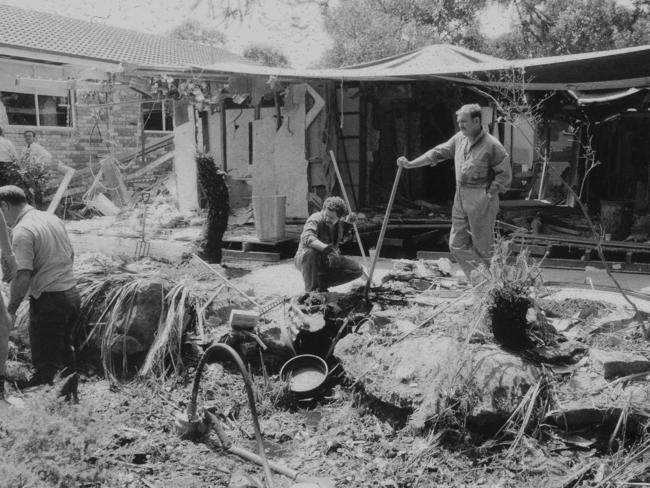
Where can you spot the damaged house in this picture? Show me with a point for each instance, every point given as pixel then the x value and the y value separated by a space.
pixel 69 80
pixel 589 129
pixel 146 103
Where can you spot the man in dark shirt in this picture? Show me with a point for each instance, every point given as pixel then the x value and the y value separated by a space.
pixel 318 256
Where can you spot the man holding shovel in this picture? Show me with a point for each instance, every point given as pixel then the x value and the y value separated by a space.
pixel 318 256
pixel 482 172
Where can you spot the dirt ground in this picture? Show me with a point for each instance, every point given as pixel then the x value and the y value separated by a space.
pixel 123 435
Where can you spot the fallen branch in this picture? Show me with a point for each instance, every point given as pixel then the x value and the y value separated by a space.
pixel 437 312
pixel 599 248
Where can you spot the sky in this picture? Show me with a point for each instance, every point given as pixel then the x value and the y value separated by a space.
pixel 297 31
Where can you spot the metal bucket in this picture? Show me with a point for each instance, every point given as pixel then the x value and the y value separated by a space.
pixel 269 213
pixel 306 374
pixel 616 218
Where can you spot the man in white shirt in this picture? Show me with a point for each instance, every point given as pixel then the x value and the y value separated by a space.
pixel 34 152
pixel 44 260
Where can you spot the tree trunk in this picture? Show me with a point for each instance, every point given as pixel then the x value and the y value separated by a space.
pixel 213 182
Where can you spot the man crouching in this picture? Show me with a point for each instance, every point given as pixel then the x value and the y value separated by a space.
pixel 318 256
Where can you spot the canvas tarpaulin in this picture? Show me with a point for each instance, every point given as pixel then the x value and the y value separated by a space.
pixel 602 70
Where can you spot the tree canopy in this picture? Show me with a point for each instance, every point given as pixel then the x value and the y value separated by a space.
pixel 266 55
pixel 363 30
pixel 195 31
pixel 553 27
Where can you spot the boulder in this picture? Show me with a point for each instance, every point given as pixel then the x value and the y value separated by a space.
pixel 614 364
pixel 137 329
pixel 428 374
pixel 142 323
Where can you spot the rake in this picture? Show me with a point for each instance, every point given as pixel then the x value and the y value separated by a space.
pixel 143 246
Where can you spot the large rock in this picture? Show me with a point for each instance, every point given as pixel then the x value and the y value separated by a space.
pixel 615 364
pixel 429 374
pixel 136 329
pixel 588 398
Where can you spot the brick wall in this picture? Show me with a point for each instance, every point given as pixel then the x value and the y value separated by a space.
pixel 95 130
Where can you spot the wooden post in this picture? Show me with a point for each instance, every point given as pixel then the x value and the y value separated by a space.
pixel 61 190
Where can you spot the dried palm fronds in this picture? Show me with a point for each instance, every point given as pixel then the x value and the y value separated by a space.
pixel 115 297
pixel 634 464
pixel 123 298
pixel 164 355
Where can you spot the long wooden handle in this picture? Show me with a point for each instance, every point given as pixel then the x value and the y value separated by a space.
pixel 61 190
pixel 347 202
pixel 383 229
pixel 226 281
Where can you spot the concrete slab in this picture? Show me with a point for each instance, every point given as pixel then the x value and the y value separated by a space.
pixel 125 246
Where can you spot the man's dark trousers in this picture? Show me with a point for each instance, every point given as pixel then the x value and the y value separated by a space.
pixel 52 320
pixel 320 271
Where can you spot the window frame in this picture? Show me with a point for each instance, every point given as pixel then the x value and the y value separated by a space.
pixel 150 105
pixel 71 116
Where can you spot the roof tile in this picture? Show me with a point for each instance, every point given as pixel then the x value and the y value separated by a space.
pixel 62 35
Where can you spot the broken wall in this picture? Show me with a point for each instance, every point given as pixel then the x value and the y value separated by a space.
pixel 279 163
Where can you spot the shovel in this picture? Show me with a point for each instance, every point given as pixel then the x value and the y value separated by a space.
pixel 383 230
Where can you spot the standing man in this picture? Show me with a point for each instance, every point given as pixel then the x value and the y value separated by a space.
pixel 44 259
pixel 482 172
pixel 318 256
pixel 34 152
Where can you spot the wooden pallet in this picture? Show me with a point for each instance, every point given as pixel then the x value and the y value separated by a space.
pixel 249 247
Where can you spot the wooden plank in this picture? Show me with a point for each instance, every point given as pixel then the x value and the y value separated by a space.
pixel 151 166
pixel 558 263
pixel 574 240
pixel 435 255
pixel 393 242
pixel 425 236
pixel 251 255
pixel 617 267
pixel 254 239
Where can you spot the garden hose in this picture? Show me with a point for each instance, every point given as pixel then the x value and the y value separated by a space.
pixel 192 406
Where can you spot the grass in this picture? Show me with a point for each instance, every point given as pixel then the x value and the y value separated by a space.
pixel 51 444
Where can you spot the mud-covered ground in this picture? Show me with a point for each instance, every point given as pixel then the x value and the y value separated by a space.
pixel 124 436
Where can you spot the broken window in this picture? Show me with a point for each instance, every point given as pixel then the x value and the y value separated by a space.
pixel 37 110
pixel 158 115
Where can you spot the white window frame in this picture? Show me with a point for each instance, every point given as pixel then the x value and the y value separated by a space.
pixel 152 105
pixel 71 113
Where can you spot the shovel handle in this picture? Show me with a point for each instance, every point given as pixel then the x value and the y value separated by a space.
pixel 347 202
pixel 383 229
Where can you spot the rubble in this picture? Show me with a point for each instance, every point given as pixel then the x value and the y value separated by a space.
pixel 422 392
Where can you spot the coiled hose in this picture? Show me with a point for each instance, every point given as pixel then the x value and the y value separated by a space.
pixel 192 406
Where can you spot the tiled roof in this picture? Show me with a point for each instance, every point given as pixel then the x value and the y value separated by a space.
pixel 56 34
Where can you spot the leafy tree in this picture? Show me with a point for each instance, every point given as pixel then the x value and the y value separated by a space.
pixel 553 27
pixel 365 30
pixel 195 31
pixel 266 55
